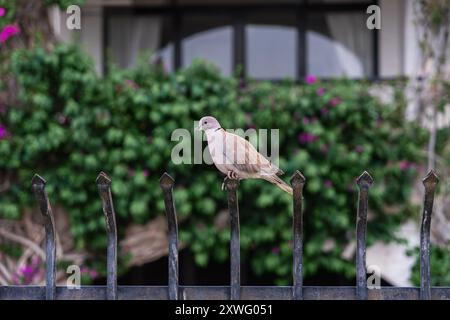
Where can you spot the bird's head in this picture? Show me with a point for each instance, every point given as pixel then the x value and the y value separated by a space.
pixel 207 123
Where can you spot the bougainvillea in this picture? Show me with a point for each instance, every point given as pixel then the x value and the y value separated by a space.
pixel 70 124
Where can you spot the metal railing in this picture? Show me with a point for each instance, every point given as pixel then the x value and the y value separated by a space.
pixel 234 291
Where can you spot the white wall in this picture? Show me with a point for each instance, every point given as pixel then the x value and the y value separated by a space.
pixel 392 28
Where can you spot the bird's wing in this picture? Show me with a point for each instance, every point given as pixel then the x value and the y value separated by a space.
pixel 243 155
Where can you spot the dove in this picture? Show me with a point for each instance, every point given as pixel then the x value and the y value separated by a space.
pixel 236 157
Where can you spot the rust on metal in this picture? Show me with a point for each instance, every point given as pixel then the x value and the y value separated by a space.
pixel 104 189
pixel 166 182
pixel 38 185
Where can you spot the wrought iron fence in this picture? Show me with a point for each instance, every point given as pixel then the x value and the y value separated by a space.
pixel 234 291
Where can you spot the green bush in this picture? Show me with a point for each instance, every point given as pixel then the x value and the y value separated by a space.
pixel 71 124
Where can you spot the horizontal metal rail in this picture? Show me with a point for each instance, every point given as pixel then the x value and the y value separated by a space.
pixel 219 293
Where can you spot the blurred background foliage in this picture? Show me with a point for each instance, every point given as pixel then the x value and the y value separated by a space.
pixel 71 124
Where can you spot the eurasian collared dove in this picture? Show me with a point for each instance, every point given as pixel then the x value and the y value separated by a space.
pixel 238 158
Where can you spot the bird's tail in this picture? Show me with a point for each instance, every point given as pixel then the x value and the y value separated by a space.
pixel 278 182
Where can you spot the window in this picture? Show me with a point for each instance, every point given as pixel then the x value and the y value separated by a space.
pixel 208 38
pixel 131 36
pixel 339 44
pixel 286 39
pixel 271 46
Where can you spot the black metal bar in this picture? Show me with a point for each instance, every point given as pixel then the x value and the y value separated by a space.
pixel 430 182
pixel 239 8
pixel 104 189
pixel 364 182
pixel 376 50
pixel 166 182
pixel 105 39
pixel 302 52
pixel 219 293
pixel 297 182
pixel 239 48
pixel 38 185
pixel 231 186
pixel 177 38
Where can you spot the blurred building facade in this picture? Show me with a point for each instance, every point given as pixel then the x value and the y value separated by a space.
pixel 270 40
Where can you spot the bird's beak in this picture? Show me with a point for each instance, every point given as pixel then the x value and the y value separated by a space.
pixel 199 127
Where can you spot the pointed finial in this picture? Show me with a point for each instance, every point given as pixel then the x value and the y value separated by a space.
pixel 166 181
pixel 38 181
pixel 364 180
pixel 297 177
pixel 431 180
pixel 103 179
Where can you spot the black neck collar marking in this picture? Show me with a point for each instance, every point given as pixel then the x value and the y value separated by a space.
pixel 217 129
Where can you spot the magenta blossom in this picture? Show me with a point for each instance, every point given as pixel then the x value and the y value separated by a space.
pixel 146 173
pixel 335 101
pixel 306 120
pixel 324 111
pixel 328 184
pixel 306 137
pixel 2 11
pixel 310 79
pixel 405 165
pixel 275 250
pixel 359 149
pixel 320 91
pixel 3 132
pixel 93 274
pixel 8 31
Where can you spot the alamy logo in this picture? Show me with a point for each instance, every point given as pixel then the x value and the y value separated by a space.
pixel 74 280
pixel 374 20
pixel 374 280
pixel 73 17
pixel 225 149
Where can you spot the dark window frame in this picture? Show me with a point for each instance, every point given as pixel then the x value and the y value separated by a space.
pixel 238 14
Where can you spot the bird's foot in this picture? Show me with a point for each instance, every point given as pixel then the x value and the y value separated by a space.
pixel 232 175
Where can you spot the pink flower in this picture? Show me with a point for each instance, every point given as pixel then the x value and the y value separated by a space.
pixel 335 101
pixel 328 184
pixel 306 120
pixel 26 270
pixel 305 137
pixel 62 119
pixel 359 149
pixel 3 132
pixel 93 274
pixel 310 79
pixel 404 165
pixel 324 111
pixel 146 173
pixel 8 31
pixel 2 11
pixel 275 250
pixel 320 91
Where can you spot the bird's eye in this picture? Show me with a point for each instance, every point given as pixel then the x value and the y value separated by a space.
pixel 204 122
